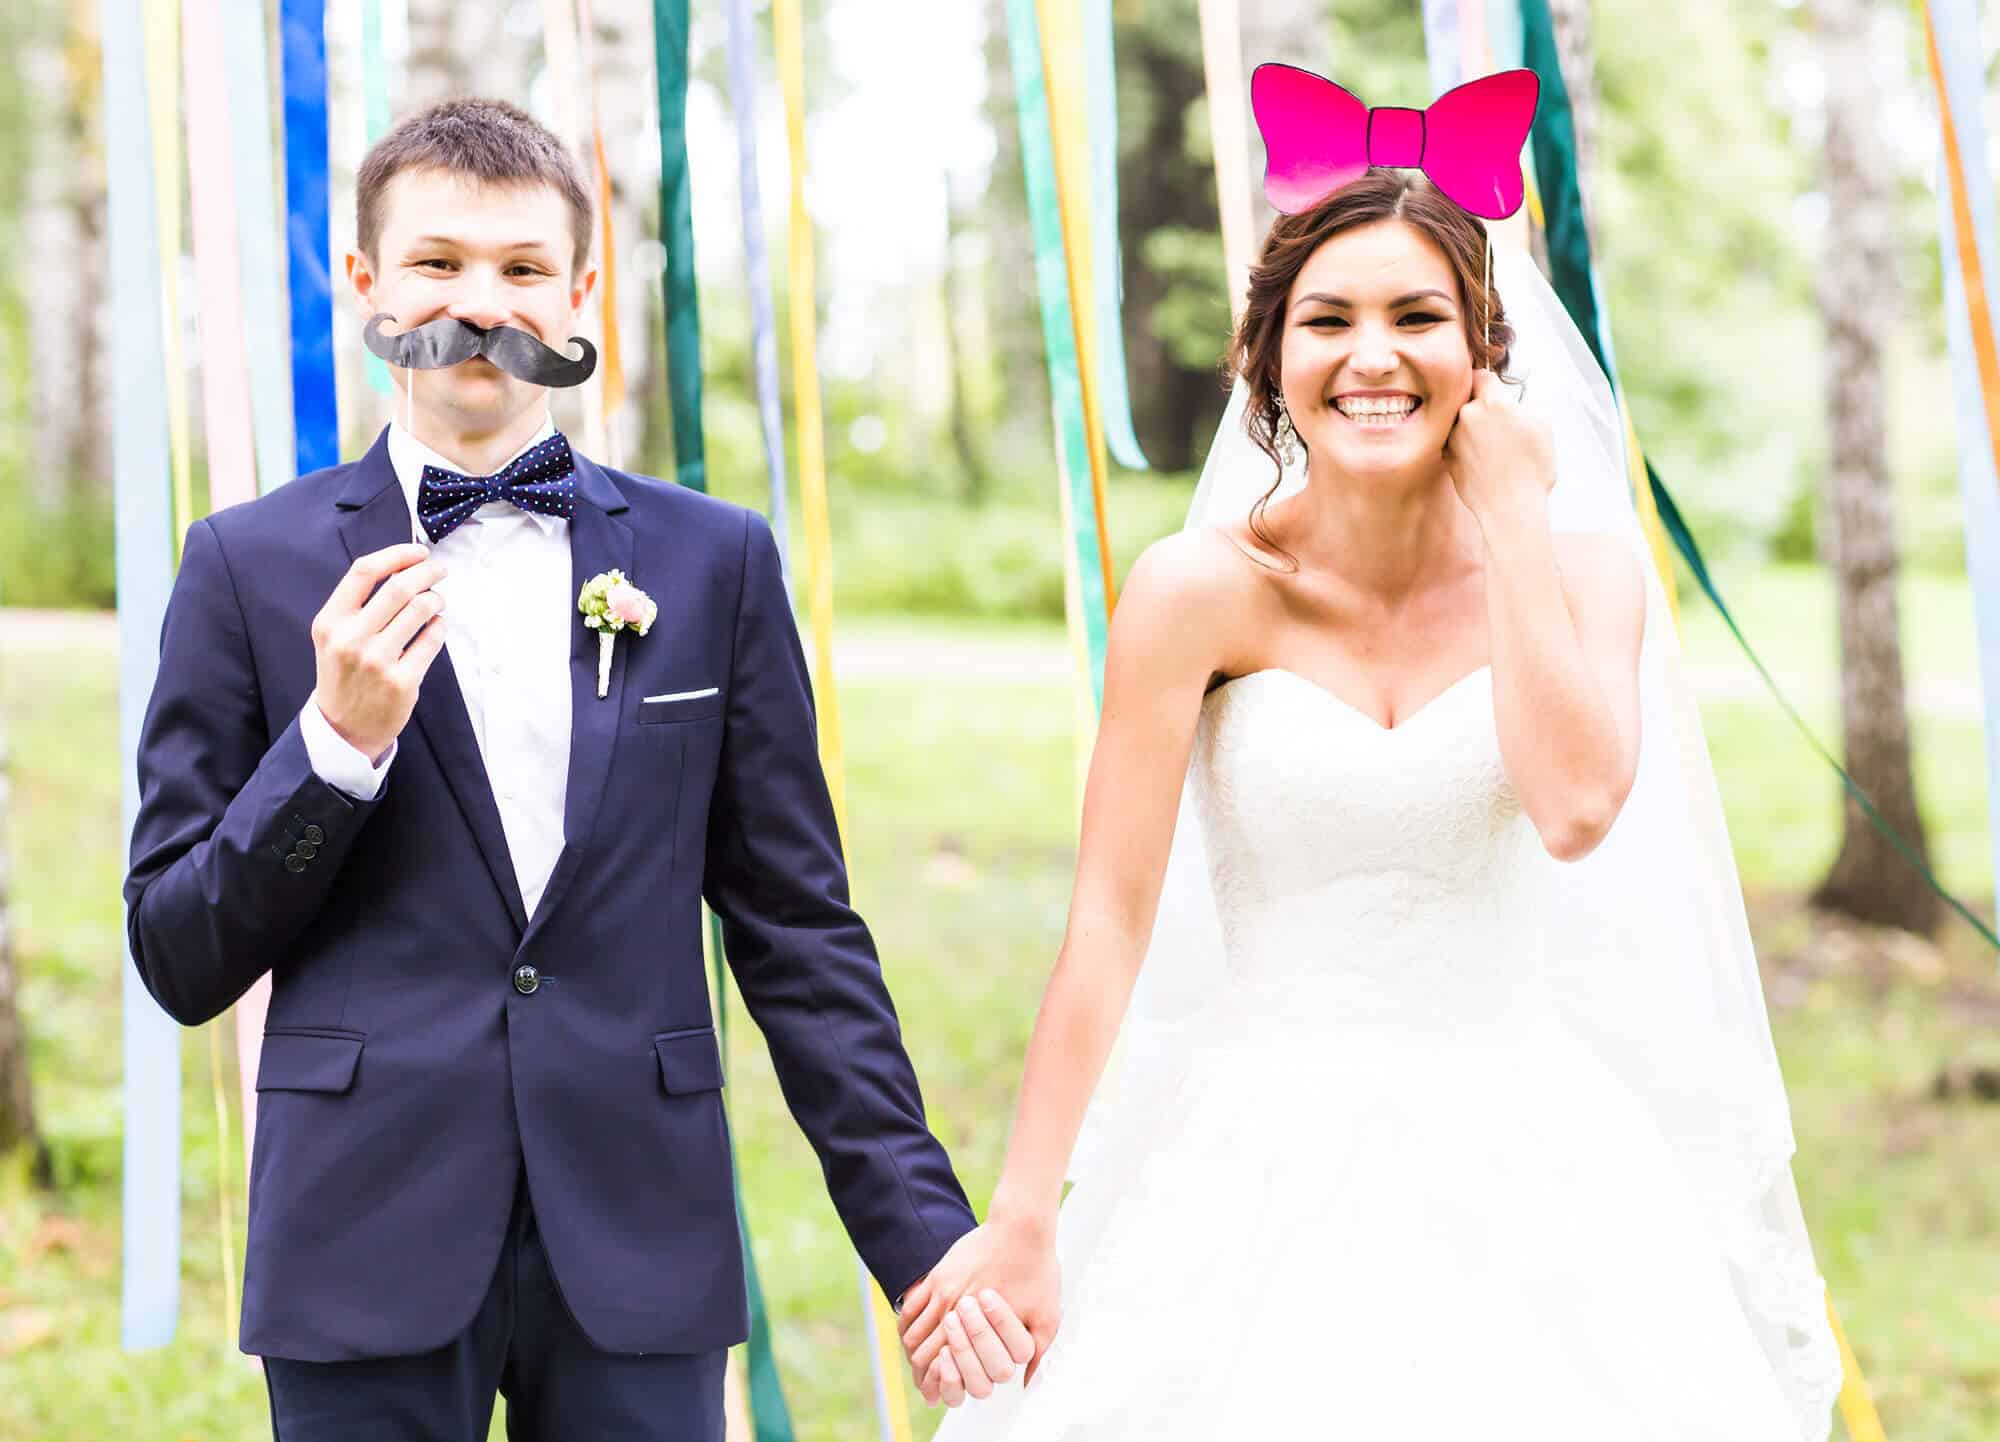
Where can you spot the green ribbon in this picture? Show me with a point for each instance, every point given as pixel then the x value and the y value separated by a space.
pixel 1038 163
pixel 670 55
pixel 771 1418
pixel 1554 143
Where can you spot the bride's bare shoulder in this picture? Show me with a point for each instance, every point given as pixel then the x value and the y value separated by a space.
pixel 1190 573
pixel 1185 603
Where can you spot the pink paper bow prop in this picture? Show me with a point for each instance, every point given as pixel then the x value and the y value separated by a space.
pixel 1318 137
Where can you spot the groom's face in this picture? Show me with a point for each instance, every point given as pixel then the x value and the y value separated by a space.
pixel 490 255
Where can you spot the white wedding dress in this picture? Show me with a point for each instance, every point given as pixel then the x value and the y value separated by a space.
pixel 1384 1194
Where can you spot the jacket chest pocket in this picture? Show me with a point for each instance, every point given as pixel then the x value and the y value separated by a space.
pixel 670 708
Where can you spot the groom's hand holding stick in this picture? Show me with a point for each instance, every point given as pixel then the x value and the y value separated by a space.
pixel 373 642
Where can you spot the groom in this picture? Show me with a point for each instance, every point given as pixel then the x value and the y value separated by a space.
pixel 378 764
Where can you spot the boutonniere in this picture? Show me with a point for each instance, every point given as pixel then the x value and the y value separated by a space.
pixel 611 604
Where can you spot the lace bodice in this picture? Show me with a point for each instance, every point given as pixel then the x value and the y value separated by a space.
pixel 1352 863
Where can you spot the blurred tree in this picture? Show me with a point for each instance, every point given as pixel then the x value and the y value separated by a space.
pixel 1176 312
pixel 17 1103
pixel 1857 288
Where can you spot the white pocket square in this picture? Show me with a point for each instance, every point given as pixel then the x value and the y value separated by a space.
pixel 685 695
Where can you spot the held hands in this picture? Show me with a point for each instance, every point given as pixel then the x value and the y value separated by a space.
pixel 993 1302
pixel 367 680
pixel 1501 459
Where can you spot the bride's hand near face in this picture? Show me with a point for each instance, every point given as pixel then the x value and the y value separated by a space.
pixel 1501 459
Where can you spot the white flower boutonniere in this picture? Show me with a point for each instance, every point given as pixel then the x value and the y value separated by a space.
pixel 611 604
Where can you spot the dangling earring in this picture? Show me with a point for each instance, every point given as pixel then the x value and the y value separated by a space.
pixel 1286 436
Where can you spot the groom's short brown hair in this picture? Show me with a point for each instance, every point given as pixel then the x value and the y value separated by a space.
pixel 489 141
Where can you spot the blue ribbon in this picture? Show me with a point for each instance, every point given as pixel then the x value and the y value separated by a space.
pixel 1959 49
pixel 246 72
pixel 1114 390
pixel 145 548
pixel 756 260
pixel 315 400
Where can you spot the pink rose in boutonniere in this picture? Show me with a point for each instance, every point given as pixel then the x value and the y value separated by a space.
pixel 611 604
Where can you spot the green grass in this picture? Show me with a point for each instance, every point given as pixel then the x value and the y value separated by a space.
pixel 960 801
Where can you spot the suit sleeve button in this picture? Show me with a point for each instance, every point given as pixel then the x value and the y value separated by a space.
pixel 295 863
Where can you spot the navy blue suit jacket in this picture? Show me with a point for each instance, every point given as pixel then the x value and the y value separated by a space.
pixel 405 1079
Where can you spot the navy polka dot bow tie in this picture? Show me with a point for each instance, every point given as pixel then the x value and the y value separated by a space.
pixel 542 478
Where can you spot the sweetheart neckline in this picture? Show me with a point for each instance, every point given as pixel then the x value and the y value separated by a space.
pixel 1348 706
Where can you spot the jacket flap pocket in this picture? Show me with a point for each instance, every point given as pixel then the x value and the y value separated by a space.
pixel 298 1061
pixel 690 1061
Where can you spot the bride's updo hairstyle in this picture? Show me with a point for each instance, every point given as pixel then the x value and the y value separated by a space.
pixel 1380 194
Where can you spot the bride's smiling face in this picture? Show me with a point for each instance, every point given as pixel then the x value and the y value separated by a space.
pixel 1374 362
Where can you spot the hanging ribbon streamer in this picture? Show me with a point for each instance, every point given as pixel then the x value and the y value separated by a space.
pixel 670 28
pixel 770 1416
pixel 1569 262
pixel 375 121
pixel 608 393
pixel 886 1353
pixel 1054 275
pixel 162 91
pixel 568 100
pixel 1966 240
pixel 246 76
pixel 315 399
pixel 1063 82
pixel 140 463
pixel 1229 140
pixel 757 263
pixel 1109 279
pixel 232 478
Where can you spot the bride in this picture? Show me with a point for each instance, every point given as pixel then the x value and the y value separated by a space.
pixel 1443 1102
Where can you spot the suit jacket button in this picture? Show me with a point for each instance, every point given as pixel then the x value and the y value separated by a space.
pixel 526 979
pixel 307 849
pixel 315 835
pixel 295 863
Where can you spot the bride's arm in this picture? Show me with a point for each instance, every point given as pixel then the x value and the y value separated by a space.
pixel 1564 617
pixel 1167 639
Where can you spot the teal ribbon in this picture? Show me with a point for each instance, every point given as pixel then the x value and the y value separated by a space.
pixel 771 1417
pixel 670 56
pixel 150 1301
pixel 1108 268
pixel 1554 142
pixel 1038 162
pixel 1957 23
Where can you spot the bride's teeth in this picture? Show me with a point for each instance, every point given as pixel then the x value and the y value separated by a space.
pixel 1376 410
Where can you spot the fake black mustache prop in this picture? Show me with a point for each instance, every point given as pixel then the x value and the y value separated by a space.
pixel 447 341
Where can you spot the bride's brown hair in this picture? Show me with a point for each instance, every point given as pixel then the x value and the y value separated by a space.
pixel 1380 194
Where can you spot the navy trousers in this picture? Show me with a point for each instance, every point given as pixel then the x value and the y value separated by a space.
pixel 523 1345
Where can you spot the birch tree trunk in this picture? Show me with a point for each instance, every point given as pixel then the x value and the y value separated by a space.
pixel 1857 289
pixel 17 1102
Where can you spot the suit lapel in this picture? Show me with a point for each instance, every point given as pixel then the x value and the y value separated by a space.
pixel 378 515
pixel 599 541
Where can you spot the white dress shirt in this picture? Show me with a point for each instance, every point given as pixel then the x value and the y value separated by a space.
pixel 508 614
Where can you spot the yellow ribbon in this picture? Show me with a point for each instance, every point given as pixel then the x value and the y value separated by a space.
pixel 788 33
pixel 1061 26
pixel 1973 275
